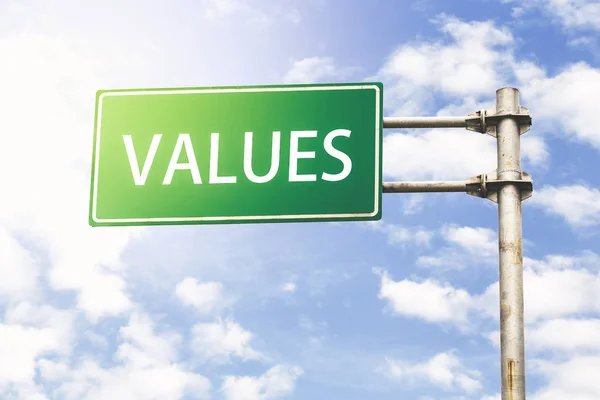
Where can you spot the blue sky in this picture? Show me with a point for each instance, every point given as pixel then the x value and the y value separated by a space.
pixel 403 308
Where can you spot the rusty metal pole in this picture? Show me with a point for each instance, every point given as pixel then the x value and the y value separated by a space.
pixel 510 235
pixel 508 185
pixel 428 187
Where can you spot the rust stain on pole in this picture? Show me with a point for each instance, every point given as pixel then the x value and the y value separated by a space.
pixel 509 378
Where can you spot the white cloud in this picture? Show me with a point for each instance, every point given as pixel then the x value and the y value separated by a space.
pixel 587 260
pixel 253 12
pixel 550 291
pixel 572 14
pixel 477 60
pixel 148 369
pixel 467 246
pixel 566 335
pixel 583 41
pixel 218 8
pixel 104 297
pixel 444 370
pixel 493 397
pixel 315 69
pixel 576 378
pixel 430 300
pixel 219 341
pixel 564 103
pixel 90 381
pixel 18 268
pixel 558 286
pixel 277 382
pixel 561 336
pixel 53 185
pixel 205 297
pixel 470 65
pixel 288 287
pixel 142 347
pixel 402 235
pixel 577 13
pixel 534 150
pixel 480 241
pixel 28 333
pixel 577 204
pixel 562 295
pixel 20 347
pixel 517 12
pixel 414 203
pixel 559 293
pixel 439 154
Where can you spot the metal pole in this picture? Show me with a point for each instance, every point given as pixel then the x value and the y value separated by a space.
pixel 512 344
pixel 420 187
pixel 508 185
pixel 428 122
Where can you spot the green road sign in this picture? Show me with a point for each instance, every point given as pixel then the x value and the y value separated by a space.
pixel 237 154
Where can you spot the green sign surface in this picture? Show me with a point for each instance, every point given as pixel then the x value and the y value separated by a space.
pixel 237 154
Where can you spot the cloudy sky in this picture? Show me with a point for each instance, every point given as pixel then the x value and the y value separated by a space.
pixel 403 308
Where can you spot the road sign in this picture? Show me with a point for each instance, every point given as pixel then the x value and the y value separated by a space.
pixel 237 154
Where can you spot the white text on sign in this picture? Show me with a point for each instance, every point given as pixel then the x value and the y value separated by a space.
pixel 184 142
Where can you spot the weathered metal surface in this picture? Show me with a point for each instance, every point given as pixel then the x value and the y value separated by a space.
pixel 425 122
pixel 507 188
pixel 487 185
pixel 486 121
pixel 421 187
pixel 482 121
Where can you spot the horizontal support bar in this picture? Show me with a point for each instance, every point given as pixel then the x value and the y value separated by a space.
pixel 427 122
pixel 426 187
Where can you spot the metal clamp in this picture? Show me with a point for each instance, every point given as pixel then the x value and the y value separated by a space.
pixel 485 121
pixel 487 185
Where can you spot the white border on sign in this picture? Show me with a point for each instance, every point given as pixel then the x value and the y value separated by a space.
pixel 237 218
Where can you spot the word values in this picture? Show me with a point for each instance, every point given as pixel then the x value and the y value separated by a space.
pixel 184 144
